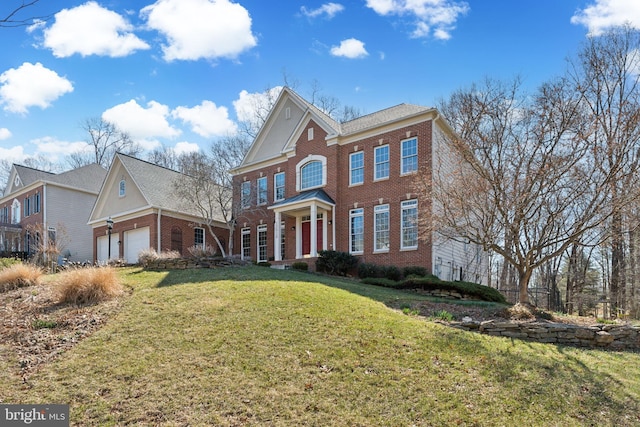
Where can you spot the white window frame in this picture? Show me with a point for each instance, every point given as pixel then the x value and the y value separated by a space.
pixel 276 187
pixel 202 244
pixel 245 251
pixel 379 211
pixel 404 158
pixel 261 190
pixel 15 212
pixel 262 246
pixel 122 188
pixel 302 163
pixel 376 164
pixel 354 214
pixel 245 194
pixel 406 206
pixel 353 169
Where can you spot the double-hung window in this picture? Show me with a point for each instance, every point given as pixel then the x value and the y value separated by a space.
pixel 356 230
pixel 198 237
pixel 262 243
pixel 381 162
pixel 409 162
pixel 262 191
pixel 356 168
pixel 245 194
pixel 278 186
pixel 381 230
pixel 409 224
pixel 246 243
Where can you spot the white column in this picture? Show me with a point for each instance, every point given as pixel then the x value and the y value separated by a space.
pixel 298 237
pixel 325 231
pixel 277 237
pixel 314 231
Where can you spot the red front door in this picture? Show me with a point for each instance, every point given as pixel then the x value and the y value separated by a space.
pixel 306 237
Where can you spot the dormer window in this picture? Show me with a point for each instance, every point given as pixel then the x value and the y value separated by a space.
pixel 122 188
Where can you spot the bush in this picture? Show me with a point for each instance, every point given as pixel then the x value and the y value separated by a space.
pixel 7 262
pixel 392 272
pixel 19 275
pixel 335 262
pixel 367 269
pixel 414 271
pixel 88 286
pixel 263 264
pixel 381 281
pixel 301 266
pixel 198 251
pixel 147 256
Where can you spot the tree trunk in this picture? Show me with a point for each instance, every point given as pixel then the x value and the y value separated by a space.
pixel 617 263
pixel 523 286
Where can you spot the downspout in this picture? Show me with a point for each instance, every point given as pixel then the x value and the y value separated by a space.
pixel 158 231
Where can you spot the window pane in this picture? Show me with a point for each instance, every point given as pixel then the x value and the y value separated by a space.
pixel 410 224
pixel 409 155
pixel 246 243
pixel 279 186
pixel 262 191
pixel 357 230
pixel 262 243
pixel 199 237
pixel 311 175
pixel 382 162
pixel 357 168
pixel 246 194
pixel 381 219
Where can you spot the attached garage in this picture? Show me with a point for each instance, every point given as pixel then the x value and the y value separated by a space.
pixel 134 242
pixel 103 249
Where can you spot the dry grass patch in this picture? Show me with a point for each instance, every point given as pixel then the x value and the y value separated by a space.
pixel 88 285
pixel 19 276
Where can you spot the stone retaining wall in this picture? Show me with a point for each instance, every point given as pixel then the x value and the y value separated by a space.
pixel 613 337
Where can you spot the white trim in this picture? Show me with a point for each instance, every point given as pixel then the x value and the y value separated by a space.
pixel 351 156
pixel 375 164
pixel 403 158
pixel 406 205
pixel 354 213
pixel 275 187
pixel 311 158
pixel 384 208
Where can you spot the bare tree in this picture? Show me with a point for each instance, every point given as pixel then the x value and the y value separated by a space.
pixel 520 181
pixel 105 139
pixel 14 17
pixel 606 74
pixel 166 157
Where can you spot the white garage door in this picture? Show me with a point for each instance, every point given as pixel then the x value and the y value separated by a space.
pixel 103 249
pixel 134 242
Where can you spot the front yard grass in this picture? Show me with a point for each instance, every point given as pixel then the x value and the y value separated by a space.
pixel 256 346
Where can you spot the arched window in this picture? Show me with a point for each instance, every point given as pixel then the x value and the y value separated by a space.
pixel 311 173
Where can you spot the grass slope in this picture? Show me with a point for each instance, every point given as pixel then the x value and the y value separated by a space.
pixel 255 346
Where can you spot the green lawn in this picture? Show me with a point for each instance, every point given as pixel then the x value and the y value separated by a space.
pixel 256 346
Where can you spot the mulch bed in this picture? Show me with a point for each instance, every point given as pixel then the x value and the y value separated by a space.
pixel 35 329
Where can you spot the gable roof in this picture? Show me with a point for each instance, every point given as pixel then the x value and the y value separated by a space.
pixel 154 182
pixel 86 178
pixel 276 138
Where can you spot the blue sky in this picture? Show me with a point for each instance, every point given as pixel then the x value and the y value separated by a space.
pixel 181 73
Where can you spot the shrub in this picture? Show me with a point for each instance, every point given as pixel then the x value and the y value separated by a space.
pixel 150 255
pixel 381 281
pixel 335 262
pixel 301 266
pixel 414 271
pixel 7 262
pixel 442 315
pixel 198 251
pixel 392 272
pixel 367 269
pixel 88 286
pixel 263 264
pixel 19 275
pixel 466 288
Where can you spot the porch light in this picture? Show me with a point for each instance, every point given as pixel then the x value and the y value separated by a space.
pixel 109 228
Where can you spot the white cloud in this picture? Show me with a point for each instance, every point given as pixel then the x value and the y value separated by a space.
pixel 350 48
pixel 253 107
pixel 207 119
pixel 31 85
pixel 606 14
pixel 13 155
pixel 142 124
pixel 90 29
pixel 54 149
pixel 328 9
pixel 197 29
pixel 185 147
pixel 432 17
pixel 5 133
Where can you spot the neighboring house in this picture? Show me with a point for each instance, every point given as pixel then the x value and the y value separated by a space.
pixel 139 198
pixel 58 203
pixel 309 183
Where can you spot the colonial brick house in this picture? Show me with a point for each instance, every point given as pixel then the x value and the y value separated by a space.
pixel 309 183
pixel 138 202
pixel 39 206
